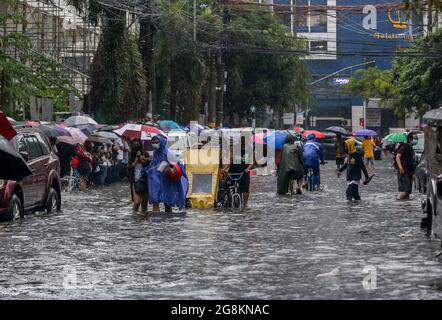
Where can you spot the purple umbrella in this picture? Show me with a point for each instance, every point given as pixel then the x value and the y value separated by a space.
pixel 365 132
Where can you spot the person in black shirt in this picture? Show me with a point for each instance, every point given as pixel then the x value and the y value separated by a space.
pixel 405 165
pixel 237 167
pixel 354 164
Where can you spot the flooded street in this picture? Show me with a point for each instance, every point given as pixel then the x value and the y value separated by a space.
pixel 98 248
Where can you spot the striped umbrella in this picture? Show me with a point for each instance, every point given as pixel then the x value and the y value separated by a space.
pixel 139 131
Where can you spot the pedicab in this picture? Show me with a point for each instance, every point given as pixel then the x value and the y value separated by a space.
pixel 202 167
pixel 432 204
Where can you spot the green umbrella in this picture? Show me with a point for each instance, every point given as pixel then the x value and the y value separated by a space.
pixel 396 137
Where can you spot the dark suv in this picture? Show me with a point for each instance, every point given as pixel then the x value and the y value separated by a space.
pixel 41 190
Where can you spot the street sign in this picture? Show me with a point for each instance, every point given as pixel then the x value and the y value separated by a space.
pixel 289 118
pixel 373 117
pixel 340 81
pixel 300 118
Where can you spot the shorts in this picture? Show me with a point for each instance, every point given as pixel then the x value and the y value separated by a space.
pixel 340 161
pixel 369 160
pixel 405 183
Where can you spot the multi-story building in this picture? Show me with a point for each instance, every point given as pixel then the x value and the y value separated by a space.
pixel 343 36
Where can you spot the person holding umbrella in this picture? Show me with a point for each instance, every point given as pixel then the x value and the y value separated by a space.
pixel 368 146
pixel 340 151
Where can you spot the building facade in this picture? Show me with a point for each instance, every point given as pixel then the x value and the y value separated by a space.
pixel 344 36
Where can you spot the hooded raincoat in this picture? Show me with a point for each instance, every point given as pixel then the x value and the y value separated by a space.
pixel 292 166
pixel 161 189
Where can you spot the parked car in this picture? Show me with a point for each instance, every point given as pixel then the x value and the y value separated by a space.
pixel 41 190
pixel 421 175
pixel 328 144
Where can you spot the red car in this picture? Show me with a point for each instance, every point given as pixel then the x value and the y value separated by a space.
pixel 41 190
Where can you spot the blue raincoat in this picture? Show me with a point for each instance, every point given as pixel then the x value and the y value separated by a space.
pixel 313 153
pixel 161 189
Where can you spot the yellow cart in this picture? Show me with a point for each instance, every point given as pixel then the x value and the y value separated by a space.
pixel 202 168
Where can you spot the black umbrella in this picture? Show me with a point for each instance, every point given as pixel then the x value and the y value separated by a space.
pixel 339 130
pixel 12 164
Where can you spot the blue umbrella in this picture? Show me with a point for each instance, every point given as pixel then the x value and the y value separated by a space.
pixel 169 125
pixel 276 138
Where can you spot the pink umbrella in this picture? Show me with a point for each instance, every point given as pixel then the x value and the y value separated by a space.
pixel 76 134
pixel 259 138
pixel 139 131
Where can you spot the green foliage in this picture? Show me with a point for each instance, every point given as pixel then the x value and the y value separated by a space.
pixel 23 71
pixel 371 83
pixel 260 78
pixel 419 79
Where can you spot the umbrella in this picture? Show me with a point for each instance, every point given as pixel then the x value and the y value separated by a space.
pixel 339 130
pixel 365 132
pixel 6 129
pixel 53 131
pixel 77 120
pixel 139 131
pixel 12 121
pixel 298 129
pixel 98 139
pixel 87 129
pixel 67 140
pixel 77 135
pixel 276 138
pixel 109 127
pixel 32 123
pixel 395 138
pixel 107 135
pixel 168 125
pixel 259 138
pixel 318 134
pixel 12 164
pixel 198 126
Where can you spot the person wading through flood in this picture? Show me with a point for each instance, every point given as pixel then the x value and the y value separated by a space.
pixel 313 157
pixel 340 151
pixel 354 165
pixel 405 165
pixel 167 178
pixel 141 195
pixel 291 166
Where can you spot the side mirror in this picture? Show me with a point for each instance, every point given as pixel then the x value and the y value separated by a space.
pixel 25 155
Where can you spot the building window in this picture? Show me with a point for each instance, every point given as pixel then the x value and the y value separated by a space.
pixel 318 45
pixel 318 21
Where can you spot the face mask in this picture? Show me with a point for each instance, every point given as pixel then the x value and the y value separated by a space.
pixel 155 146
pixel 414 142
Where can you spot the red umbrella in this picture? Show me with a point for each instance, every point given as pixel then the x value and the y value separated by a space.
pixel 139 131
pixel 6 129
pixel 318 134
pixel 298 130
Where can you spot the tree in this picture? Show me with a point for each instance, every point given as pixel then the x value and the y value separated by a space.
pixel 260 76
pixel 24 72
pixel 419 79
pixel 371 83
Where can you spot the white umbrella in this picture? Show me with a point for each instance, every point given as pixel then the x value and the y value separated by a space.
pixel 77 135
pixel 78 120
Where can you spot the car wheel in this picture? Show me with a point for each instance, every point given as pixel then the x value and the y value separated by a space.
pixel 15 210
pixel 54 202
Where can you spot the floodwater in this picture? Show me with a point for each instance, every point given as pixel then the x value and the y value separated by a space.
pixel 314 246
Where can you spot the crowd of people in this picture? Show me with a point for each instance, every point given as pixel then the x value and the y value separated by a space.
pixel 299 157
pixel 156 179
